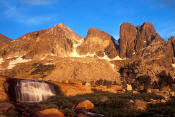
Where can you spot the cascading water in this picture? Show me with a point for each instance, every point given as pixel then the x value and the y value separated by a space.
pixel 30 91
pixel 34 91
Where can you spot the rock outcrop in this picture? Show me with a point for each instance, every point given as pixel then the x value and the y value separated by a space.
pixel 49 113
pixel 128 33
pixel 3 95
pixel 85 105
pixel 133 39
pixel 100 43
pixel 171 42
pixel 56 41
pixel 4 40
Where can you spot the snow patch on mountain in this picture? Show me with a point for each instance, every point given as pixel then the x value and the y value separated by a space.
pixel 1 60
pixel 75 54
pixel 173 65
pixel 18 60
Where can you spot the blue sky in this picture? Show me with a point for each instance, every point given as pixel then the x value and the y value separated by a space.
pixel 18 17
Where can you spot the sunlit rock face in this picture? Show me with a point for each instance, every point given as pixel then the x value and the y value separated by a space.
pixel 30 91
pixel 133 39
pixel 55 41
pixel 4 40
pixel 99 43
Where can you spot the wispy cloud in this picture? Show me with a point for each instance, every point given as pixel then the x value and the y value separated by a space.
pixel 38 2
pixel 17 14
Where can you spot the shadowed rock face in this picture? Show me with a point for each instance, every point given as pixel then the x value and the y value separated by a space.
pixel 98 42
pixel 128 33
pixel 158 52
pixel 133 39
pixel 4 40
pixel 171 41
pixel 56 41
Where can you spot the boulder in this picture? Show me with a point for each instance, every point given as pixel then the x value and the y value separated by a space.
pixel 85 105
pixel 129 87
pixel 49 113
pixel 140 104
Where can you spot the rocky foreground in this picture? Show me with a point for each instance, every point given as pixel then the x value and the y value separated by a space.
pixel 138 67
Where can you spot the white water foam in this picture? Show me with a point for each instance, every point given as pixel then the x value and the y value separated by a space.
pixel 34 91
pixel 1 60
pixel 173 65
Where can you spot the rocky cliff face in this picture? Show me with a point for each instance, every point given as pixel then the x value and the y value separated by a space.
pixel 4 40
pixel 133 39
pixel 60 54
pixel 56 41
pixel 100 43
pixel 171 42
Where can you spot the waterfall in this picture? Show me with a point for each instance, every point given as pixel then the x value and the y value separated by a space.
pixel 29 91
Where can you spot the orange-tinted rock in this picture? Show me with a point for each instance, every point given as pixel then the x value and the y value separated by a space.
pixel 83 69
pixel 85 105
pixel 3 95
pixel 140 104
pixel 171 41
pixel 56 41
pixel 49 113
pixel 98 42
pixel 128 33
pixel 145 34
pixel 73 89
pixel 133 39
pixel 4 40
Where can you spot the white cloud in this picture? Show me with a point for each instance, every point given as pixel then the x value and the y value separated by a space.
pixel 38 2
